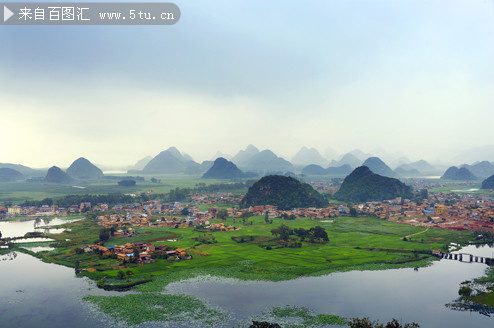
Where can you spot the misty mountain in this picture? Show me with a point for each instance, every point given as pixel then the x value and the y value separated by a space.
pixel 220 154
pixel 56 175
pixel 169 161
pixel 330 153
pixel 140 164
pixel 359 154
pixel 406 171
pixel 26 171
pixel 81 168
pixel 376 165
pixel 363 185
pixel 318 170
pixel 423 167
pixel 243 156
pixel 223 169
pixel 454 173
pixel 476 154
pixel 267 161
pixel 348 159
pixel 306 156
pixel 10 175
pixel 314 169
pixel 483 169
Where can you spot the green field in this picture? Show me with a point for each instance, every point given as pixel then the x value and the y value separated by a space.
pixel 18 192
pixel 367 243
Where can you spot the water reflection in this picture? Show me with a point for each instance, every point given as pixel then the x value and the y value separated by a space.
pixel 21 227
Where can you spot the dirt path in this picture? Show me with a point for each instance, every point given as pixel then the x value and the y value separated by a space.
pixel 418 233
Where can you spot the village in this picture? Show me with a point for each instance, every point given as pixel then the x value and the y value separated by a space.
pixel 442 210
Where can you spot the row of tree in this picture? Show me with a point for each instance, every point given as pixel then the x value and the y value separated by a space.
pixel 313 234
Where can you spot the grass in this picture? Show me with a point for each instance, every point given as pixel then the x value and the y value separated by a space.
pixel 139 308
pixel 300 317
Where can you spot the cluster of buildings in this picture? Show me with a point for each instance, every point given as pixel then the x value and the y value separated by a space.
pixel 140 251
pixel 142 220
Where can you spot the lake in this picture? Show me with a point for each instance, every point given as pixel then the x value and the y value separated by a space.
pixel 38 294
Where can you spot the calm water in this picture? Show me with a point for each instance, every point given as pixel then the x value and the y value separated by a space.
pixel 20 228
pixel 37 294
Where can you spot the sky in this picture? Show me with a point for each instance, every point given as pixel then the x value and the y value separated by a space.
pixel 411 77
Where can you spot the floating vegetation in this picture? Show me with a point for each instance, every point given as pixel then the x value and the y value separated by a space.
pixel 301 317
pixel 145 307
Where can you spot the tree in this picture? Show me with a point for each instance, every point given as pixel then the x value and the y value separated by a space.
pixel 367 323
pixel 104 234
pixel 222 214
pixel 0 234
pixel 465 291
pixel 264 324
pixel 283 231
pixel 120 274
pixel 353 212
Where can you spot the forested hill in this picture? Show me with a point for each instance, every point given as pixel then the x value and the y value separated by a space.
pixel 284 192
pixel 363 185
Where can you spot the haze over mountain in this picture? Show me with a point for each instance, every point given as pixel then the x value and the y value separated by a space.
pixel 220 154
pixel 243 156
pixel 306 156
pixel 140 164
pixel 454 173
pixel 252 159
pixel 349 159
pixel 363 185
pixel 476 154
pixel 223 169
pixel 482 169
pixel 406 171
pixel 376 165
pixel 313 169
pixel 360 154
pixel 168 162
pixel 10 175
pixel 81 168
pixel 26 171
pixel 56 175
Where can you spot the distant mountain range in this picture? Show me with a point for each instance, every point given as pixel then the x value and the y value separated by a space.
pixel 307 161
pixel 252 159
pixel 363 185
pixel 26 171
pixel 347 159
pixel 483 169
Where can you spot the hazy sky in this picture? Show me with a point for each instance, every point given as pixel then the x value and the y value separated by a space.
pixel 415 77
